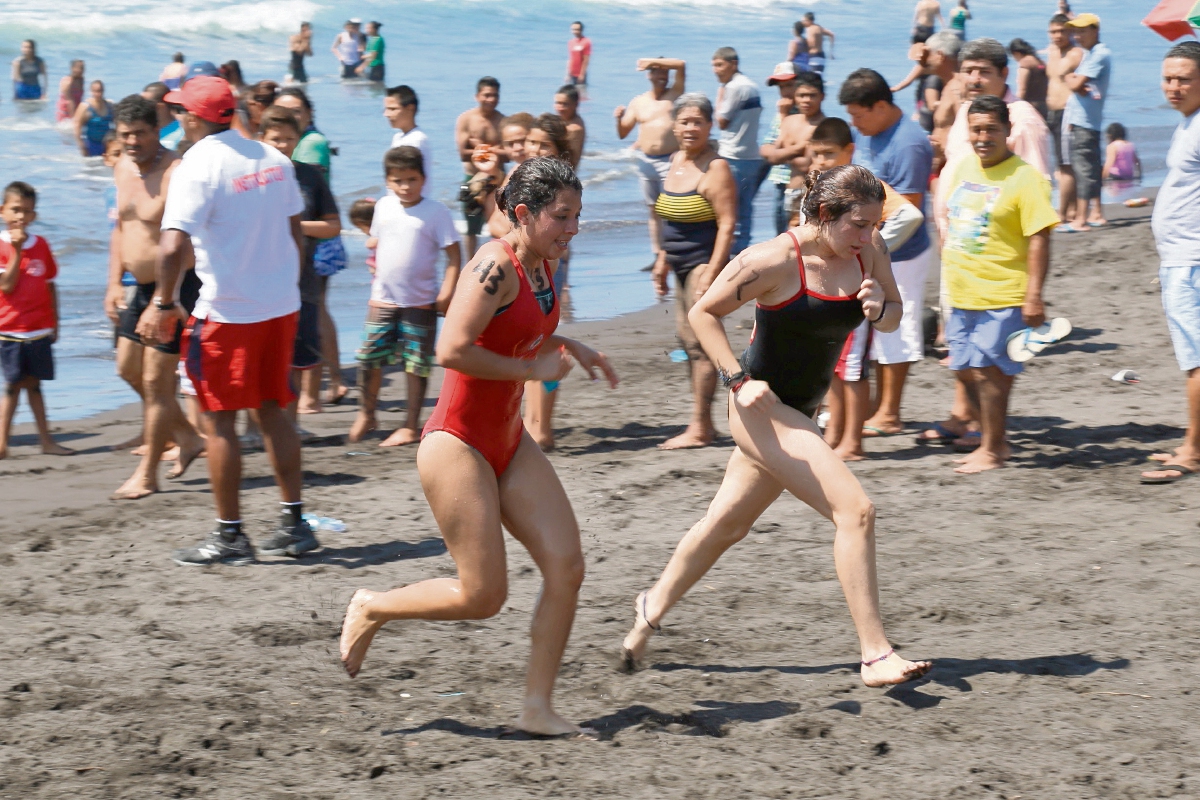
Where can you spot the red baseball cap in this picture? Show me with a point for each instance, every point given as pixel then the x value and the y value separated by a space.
pixel 210 99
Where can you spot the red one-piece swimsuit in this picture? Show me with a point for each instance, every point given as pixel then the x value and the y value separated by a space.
pixel 486 414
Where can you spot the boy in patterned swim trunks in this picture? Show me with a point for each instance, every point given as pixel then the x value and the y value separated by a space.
pixel 407 233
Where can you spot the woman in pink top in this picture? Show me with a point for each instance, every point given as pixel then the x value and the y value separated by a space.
pixel 1121 162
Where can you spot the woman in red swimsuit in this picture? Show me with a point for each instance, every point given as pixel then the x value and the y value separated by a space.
pixel 478 466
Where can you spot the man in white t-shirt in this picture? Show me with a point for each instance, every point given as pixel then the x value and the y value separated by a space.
pixel 237 204
pixel 738 108
pixel 409 233
pixel 400 109
pixel 1176 226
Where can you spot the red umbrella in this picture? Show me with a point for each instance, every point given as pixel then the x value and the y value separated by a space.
pixel 1169 19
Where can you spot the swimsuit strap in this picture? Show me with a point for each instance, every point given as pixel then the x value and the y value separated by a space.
pixel 800 261
pixel 861 267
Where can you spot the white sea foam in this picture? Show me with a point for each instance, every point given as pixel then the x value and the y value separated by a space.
pixel 187 16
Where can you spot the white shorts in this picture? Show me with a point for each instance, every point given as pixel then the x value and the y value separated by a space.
pixel 852 366
pixel 185 383
pixel 906 343
pixel 652 170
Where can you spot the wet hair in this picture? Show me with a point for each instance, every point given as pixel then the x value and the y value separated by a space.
pixel 134 109
pixel 1190 50
pixel 985 49
pixel 577 22
pixel 20 189
pixel 231 71
pixel 521 118
pixel 96 81
pixel 486 82
pixel 810 16
pixel 301 95
pixel 177 58
pixel 156 91
pixel 77 62
pixel 570 92
pixel 798 27
pixel 1059 19
pixel 1115 132
pixel 554 127
pixel 405 96
pixel 535 184
pixel 362 211
pixel 832 193
pixel 864 87
pixel 946 43
pixel 812 79
pixel 695 100
pixel 304 25
pixel 405 157
pixel 833 130
pixel 990 104
pixel 32 45
pixel 264 92
pixel 726 54
pixel 1019 47
pixel 279 117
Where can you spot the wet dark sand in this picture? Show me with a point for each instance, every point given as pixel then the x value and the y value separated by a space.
pixel 1057 597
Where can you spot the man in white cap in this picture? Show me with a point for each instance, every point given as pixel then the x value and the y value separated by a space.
pixel 235 202
pixel 797 115
pixel 1083 120
pixel 348 46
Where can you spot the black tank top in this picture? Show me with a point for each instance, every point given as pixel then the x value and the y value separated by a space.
pixel 795 345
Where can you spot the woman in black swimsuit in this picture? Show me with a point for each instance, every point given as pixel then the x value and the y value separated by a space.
pixel 813 285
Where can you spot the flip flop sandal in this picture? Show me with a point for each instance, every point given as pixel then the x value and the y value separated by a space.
pixel 629 664
pixel 1028 342
pixel 517 735
pixel 1184 472
pixel 944 435
pixel 871 432
pixel 967 443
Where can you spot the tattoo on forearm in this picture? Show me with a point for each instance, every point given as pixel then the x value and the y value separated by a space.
pixel 749 279
pixel 486 275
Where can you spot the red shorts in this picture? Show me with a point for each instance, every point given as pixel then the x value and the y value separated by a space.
pixel 236 366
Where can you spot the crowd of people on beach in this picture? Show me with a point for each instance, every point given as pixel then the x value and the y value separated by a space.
pixel 225 234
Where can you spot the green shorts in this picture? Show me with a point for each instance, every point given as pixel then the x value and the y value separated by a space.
pixel 399 335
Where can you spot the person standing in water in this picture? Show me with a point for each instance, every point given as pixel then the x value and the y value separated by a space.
pixel 174 73
pixel 651 113
pixel 372 67
pixel 70 93
pixel 29 73
pixel 348 47
pixel 299 46
pixel 498 333
pixel 815 36
pixel 958 20
pixel 93 121
pixel 579 56
pixel 811 288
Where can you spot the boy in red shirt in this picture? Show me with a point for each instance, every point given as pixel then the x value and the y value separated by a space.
pixel 28 314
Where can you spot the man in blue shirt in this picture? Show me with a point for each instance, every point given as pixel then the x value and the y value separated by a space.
pixel 897 150
pixel 1083 119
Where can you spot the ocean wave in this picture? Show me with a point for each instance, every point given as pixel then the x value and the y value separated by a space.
pixel 26 124
pixel 608 175
pixel 174 18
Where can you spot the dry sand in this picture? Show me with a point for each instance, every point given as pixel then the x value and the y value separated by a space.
pixel 1057 598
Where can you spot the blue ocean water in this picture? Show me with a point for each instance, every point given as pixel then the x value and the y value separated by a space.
pixel 441 47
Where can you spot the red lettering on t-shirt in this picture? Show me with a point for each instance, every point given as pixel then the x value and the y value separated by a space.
pixel 245 183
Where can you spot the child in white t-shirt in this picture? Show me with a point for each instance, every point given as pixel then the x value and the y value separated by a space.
pixel 408 233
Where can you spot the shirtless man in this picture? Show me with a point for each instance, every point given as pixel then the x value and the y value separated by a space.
pixel 651 113
pixel 794 133
pixel 142 176
pixel 299 46
pixel 1062 57
pixel 942 59
pixel 924 15
pixel 566 105
pixel 815 35
pixel 476 127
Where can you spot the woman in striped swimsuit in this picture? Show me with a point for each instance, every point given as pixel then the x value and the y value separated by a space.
pixel 698 209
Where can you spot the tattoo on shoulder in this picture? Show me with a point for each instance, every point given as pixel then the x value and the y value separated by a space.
pixel 490 274
pixel 750 278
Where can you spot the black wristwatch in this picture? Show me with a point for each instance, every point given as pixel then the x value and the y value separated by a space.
pixel 732 382
pixel 882 311
pixel 161 306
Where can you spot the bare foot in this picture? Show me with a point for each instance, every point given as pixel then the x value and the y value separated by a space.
pixel 137 487
pixel 892 670
pixel 138 451
pixel 56 449
pixel 186 457
pixel 847 454
pixel 362 426
pixel 980 461
pixel 401 437
pixel 306 406
pixel 634 646
pixel 544 443
pixel 136 441
pixel 336 395
pixel 692 437
pixel 545 722
pixel 357 632
pixel 3 452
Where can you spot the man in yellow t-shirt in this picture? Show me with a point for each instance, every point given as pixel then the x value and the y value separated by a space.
pixel 995 257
